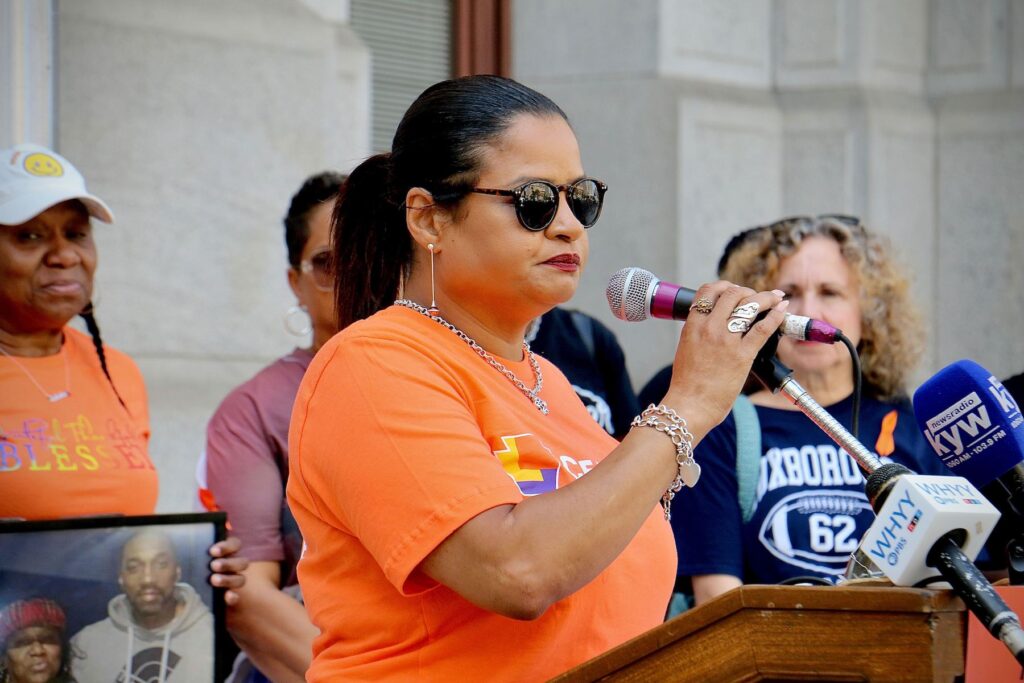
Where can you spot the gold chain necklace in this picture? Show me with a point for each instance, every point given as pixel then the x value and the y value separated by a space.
pixel 56 396
pixel 532 394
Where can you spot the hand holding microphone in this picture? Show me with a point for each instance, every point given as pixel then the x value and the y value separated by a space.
pixel 635 294
pixel 729 326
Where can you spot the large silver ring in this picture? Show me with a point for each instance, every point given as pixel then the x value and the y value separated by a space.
pixel 747 311
pixel 703 305
pixel 738 325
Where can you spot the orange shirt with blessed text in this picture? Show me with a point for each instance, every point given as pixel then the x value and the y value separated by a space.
pixel 400 434
pixel 84 454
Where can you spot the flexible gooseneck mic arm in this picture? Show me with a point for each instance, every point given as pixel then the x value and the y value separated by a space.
pixel 776 377
pixel 945 555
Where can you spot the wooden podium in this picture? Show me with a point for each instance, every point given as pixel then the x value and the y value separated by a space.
pixel 797 633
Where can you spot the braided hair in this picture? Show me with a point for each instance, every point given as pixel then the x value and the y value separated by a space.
pixel 94 331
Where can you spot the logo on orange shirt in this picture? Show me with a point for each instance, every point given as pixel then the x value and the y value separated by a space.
pixel 534 468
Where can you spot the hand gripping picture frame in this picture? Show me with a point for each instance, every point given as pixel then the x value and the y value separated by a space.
pixel 113 599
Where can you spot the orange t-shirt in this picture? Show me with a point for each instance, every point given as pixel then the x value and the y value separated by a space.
pixel 400 434
pixel 81 455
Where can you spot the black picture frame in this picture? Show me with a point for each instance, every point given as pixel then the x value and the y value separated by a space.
pixel 76 562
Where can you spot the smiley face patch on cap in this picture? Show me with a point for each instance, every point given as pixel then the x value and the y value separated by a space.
pixel 34 178
pixel 42 164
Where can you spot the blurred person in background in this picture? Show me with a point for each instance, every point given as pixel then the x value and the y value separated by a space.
pixel 246 461
pixel 801 510
pixel 1015 385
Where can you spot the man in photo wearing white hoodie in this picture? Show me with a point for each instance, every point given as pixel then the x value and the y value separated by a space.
pixel 158 630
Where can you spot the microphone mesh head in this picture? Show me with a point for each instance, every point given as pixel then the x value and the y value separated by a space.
pixel 629 294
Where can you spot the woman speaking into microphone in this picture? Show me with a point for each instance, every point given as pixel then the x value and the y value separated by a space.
pixel 464 516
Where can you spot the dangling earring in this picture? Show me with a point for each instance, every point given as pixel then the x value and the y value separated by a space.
pixel 290 320
pixel 432 310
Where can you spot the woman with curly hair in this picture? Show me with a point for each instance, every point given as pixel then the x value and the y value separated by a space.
pixel 806 509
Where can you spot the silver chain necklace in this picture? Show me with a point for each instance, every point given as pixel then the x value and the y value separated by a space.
pixel 532 394
pixel 57 395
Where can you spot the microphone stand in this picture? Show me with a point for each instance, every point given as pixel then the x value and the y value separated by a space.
pixel 776 377
pixel 946 556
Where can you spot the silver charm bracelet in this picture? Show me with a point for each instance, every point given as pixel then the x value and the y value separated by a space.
pixel 675 427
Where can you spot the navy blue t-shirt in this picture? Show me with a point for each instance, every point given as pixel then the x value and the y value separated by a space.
pixel 811 508
pixel 595 366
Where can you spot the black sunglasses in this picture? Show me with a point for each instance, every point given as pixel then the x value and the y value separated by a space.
pixel 741 237
pixel 536 201
pixel 846 219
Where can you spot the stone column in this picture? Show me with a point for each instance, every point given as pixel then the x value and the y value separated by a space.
pixel 976 82
pixel 26 72
pixel 673 107
pixel 196 122
pixel 858 132
pixel 706 118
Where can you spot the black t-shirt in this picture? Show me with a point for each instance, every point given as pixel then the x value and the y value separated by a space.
pixel 656 388
pixel 590 357
pixel 1015 385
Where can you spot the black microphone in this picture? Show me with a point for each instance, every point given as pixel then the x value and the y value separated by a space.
pixel 975 428
pixel 635 294
pixel 930 523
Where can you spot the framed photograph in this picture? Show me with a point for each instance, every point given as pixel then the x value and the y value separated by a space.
pixel 112 600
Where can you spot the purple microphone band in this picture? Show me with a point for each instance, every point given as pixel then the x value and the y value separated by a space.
pixel 635 294
pixel 663 300
pixel 819 331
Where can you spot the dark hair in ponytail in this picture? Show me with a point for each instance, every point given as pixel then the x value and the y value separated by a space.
pixel 437 146
pixel 97 341
pixel 372 248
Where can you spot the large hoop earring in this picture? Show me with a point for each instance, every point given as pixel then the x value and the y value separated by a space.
pixel 432 310
pixel 290 321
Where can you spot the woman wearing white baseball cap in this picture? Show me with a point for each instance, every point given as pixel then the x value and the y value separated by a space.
pixel 74 412
pixel 74 422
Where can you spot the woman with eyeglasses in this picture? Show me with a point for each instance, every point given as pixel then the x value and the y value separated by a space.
pixel 246 461
pixel 464 516
pixel 801 509
pixel 74 418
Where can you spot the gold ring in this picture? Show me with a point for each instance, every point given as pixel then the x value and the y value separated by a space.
pixel 703 305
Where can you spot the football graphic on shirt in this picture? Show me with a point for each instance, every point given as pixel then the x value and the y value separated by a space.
pixel 816 530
